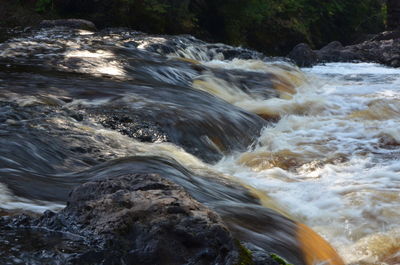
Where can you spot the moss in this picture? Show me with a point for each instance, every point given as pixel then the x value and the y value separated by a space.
pixel 280 260
pixel 245 255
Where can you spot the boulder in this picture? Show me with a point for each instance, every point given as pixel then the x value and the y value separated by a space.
pixel 303 55
pixel 332 46
pixel 386 35
pixel 383 48
pixel 335 51
pixel 69 23
pixel 131 219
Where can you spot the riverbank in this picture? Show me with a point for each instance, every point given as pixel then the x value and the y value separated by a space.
pixel 383 48
pixel 272 27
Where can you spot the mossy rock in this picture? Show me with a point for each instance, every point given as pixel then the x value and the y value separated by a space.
pixel 279 259
pixel 245 255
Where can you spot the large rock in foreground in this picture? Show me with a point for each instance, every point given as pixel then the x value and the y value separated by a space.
pixel 132 219
pixel 384 48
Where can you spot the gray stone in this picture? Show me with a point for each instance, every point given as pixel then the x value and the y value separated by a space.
pixel 131 219
pixel 303 55
pixel 69 23
pixel 384 48
pixel 334 45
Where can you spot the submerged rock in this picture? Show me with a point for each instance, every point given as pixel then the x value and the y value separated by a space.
pixel 201 124
pixel 130 219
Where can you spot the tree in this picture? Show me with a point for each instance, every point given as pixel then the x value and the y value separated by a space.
pixel 393 14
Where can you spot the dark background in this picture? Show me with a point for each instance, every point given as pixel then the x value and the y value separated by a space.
pixel 271 26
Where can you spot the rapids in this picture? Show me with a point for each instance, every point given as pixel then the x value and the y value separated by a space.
pixel 332 160
pixel 318 145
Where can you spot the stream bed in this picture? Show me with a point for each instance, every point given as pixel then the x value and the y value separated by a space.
pixel 319 145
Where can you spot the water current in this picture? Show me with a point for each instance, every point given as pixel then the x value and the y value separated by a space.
pixel 319 145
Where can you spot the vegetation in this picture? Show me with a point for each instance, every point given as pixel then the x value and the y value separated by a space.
pixel 245 255
pixel 271 26
pixel 279 260
pixel 43 5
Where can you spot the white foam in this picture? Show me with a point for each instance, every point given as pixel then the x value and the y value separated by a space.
pixel 351 69
pixel 359 194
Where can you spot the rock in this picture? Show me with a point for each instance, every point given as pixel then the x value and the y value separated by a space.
pixel 303 55
pixel 131 219
pixel 259 256
pixel 117 215
pixel 134 126
pixel 199 124
pixel 332 46
pixel 383 48
pixel 157 103
pixel 386 35
pixel 335 51
pixel 202 50
pixel 69 23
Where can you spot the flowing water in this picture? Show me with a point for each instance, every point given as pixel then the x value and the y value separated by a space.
pixel 333 159
pixel 319 145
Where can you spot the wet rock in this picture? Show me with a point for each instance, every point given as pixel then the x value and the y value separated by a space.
pixel 386 52
pixel 303 55
pixel 189 47
pixel 332 46
pixel 202 124
pixel 383 48
pixel 386 35
pixel 134 126
pixel 130 219
pixel 335 51
pixel 231 53
pixel 331 51
pixel 379 51
pixel 69 23
pixel 111 192
pixel 260 256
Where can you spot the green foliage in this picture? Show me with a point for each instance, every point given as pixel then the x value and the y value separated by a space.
pixel 384 12
pixel 272 26
pixel 245 255
pixel 43 5
pixel 279 259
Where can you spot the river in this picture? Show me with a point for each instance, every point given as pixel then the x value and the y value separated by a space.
pixel 319 145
